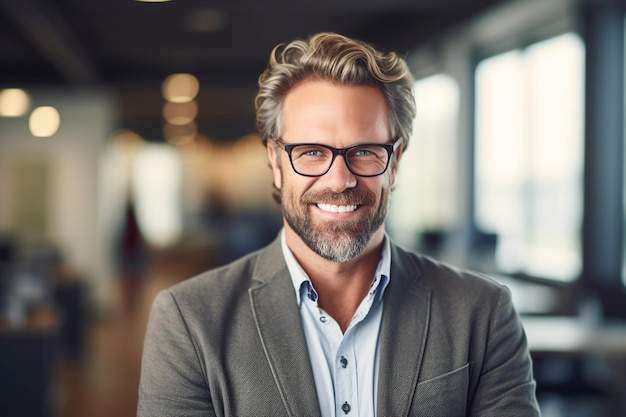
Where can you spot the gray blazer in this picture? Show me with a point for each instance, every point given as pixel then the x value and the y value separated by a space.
pixel 229 343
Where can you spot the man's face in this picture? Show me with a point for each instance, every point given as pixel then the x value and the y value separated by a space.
pixel 335 214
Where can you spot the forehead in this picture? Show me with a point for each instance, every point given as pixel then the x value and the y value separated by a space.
pixel 325 109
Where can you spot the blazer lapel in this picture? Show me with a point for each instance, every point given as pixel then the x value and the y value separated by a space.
pixel 406 317
pixel 278 324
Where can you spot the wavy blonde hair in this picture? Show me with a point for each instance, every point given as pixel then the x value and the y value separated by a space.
pixel 336 58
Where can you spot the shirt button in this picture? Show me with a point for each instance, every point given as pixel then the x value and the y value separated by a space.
pixel 343 361
pixel 346 407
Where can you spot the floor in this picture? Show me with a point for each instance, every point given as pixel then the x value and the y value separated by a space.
pixel 103 381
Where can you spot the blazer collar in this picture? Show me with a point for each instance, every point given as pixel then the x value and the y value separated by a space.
pixel 276 315
pixel 406 317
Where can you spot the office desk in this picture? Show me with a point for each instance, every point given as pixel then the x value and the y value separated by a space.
pixel 581 364
pixel 571 336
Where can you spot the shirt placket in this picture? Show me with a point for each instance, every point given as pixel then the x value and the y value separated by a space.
pixel 346 389
pixel 343 384
pixel 346 375
pixel 344 367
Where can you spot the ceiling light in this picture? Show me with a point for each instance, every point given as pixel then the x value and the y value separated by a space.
pixel 14 102
pixel 180 88
pixel 44 121
pixel 180 113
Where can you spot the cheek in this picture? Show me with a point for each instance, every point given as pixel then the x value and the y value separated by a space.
pixel 297 184
pixel 382 184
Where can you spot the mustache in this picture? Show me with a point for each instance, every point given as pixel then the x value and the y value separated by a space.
pixel 348 197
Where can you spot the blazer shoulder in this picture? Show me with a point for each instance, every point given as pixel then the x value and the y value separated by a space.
pixel 440 276
pixel 223 283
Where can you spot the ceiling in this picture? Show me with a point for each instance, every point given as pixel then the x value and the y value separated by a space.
pixel 130 47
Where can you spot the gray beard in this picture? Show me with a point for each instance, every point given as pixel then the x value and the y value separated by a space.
pixel 343 247
pixel 342 242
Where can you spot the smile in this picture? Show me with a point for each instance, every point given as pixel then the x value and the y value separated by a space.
pixel 337 209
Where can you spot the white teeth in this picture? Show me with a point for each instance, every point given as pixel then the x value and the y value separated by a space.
pixel 337 209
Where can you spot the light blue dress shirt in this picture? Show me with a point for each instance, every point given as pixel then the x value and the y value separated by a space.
pixel 345 366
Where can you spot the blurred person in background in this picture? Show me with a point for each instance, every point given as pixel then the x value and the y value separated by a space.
pixel 333 318
pixel 132 258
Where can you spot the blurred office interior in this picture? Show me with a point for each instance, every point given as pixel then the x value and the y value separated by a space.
pixel 129 162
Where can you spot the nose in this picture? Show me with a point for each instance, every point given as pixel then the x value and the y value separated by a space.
pixel 339 178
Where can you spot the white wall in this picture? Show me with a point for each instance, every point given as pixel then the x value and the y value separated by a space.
pixel 72 157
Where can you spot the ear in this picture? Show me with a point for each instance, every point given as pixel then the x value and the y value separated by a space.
pixel 273 156
pixel 395 162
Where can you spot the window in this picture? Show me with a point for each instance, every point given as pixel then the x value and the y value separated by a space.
pixel 156 192
pixel 423 199
pixel 529 156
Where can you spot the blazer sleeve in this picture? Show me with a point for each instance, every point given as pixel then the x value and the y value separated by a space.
pixel 506 386
pixel 173 380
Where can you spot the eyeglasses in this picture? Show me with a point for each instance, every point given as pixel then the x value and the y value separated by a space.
pixel 315 160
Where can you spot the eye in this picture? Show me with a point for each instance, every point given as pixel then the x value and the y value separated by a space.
pixel 362 152
pixel 313 152
pixel 310 151
pixel 367 152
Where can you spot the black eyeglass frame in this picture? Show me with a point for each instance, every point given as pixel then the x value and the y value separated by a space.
pixel 390 148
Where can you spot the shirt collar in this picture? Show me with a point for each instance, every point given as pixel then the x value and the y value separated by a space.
pixel 301 281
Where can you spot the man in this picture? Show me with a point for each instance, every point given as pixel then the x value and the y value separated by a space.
pixel 332 318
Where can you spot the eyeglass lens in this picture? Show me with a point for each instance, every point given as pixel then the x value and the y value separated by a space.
pixel 365 160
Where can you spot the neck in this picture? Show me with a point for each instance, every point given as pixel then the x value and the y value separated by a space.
pixel 341 286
